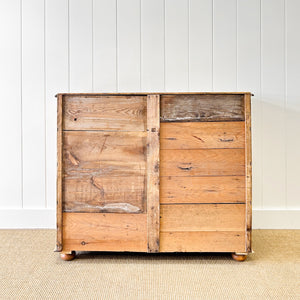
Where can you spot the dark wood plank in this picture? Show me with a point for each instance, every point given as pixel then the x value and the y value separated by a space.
pixel 211 189
pixel 153 172
pixel 109 113
pixel 202 107
pixel 59 219
pixel 92 154
pixel 206 162
pixel 202 241
pixel 104 232
pixel 201 135
pixel 202 217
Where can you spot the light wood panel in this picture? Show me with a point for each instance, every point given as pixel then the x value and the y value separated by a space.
pixel 204 241
pixel 201 135
pixel 202 217
pixel 214 189
pixel 33 104
pixel 202 162
pixel 121 113
pixel 108 232
pixel 153 172
pixel 11 103
pixel 195 108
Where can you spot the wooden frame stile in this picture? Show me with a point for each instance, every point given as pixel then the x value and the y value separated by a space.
pixel 248 177
pixel 59 213
pixel 153 211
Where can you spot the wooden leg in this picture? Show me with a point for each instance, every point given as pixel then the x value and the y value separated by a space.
pixel 68 256
pixel 239 257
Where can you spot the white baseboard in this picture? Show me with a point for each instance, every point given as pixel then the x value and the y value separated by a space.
pixel 45 218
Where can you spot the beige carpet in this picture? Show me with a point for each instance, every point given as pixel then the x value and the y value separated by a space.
pixel 31 270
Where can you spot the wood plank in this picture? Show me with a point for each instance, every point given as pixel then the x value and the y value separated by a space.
pixel 213 189
pixel 153 172
pixel 199 135
pixel 59 218
pixel 202 217
pixel 202 241
pixel 105 194
pixel 104 232
pixel 195 108
pixel 248 177
pixel 206 162
pixel 119 113
pixel 90 154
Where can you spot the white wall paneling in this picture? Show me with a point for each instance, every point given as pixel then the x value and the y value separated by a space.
pixel 33 104
pixel 11 99
pixel 52 46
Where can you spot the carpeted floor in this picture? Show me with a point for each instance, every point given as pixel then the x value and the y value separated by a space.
pixel 31 270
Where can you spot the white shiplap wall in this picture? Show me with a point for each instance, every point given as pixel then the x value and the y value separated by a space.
pixel 55 46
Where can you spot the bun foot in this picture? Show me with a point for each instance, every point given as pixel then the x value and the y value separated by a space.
pixel 68 256
pixel 239 257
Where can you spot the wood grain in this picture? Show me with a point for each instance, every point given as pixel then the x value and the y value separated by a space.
pixel 105 194
pixel 59 220
pixel 105 232
pixel 153 172
pixel 110 113
pixel 202 217
pixel 201 135
pixel 214 189
pixel 248 164
pixel 204 162
pixel 202 241
pixel 207 107
pixel 89 154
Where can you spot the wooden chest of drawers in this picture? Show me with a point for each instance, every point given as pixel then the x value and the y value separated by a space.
pixel 167 172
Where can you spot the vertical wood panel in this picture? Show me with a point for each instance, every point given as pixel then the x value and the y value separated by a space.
pixel 56 42
pixel 33 103
pixel 152 45
pixel 128 41
pixel 200 45
pixel 248 72
pixel 273 94
pixel 81 45
pixel 10 114
pixel 293 102
pixel 104 51
pixel 224 45
pixel 176 45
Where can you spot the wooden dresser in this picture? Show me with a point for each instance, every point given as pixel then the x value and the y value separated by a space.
pixel 167 172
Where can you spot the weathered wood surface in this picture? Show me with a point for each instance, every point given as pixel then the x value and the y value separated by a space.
pixel 202 217
pixel 248 163
pixel 205 107
pixel 105 232
pixel 201 135
pixel 211 189
pixel 89 154
pixel 59 220
pixel 204 162
pixel 105 194
pixel 109 113
pixel 202 241
pixel 153 172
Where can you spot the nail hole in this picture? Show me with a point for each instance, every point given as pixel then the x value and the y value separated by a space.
pixel 75 119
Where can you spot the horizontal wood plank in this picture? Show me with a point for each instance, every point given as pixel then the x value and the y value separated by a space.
pixel 89 154
pixel 202 107
pixel 104 232
pixel 120 113
pixel 202 217
pixel 206 162
pixel 105 194
pixel 213 189
pixel 203 241
pixel 201 135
